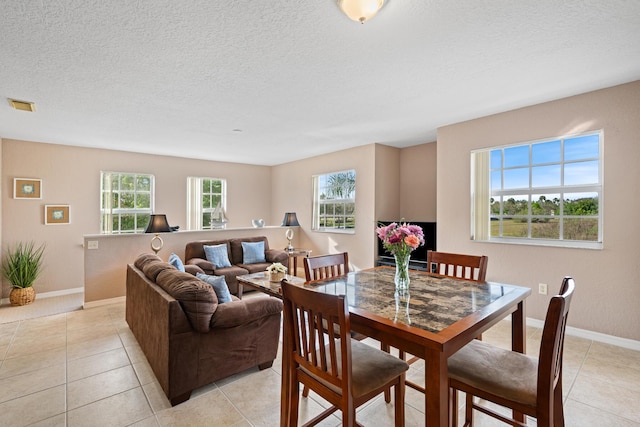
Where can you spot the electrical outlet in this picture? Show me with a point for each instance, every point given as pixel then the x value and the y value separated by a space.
pixel 542 288
pixel 92 244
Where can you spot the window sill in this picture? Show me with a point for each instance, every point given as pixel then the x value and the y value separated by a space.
pixel 336 230
pixel 548 243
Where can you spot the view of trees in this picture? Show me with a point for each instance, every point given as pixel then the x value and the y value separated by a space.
pixel 122 195
pixel 579 218
pixel 337 208
pixel 341 185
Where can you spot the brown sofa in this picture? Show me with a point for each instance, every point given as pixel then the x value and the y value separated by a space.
pixel 188 338
pixel 194 255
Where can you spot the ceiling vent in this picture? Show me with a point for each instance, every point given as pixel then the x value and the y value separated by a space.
pixel 22 105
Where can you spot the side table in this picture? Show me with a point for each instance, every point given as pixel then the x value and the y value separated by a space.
pixel 293 259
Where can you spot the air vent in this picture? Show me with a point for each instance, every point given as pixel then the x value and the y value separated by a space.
pixel 22 105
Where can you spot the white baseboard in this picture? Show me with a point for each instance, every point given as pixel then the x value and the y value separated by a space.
pixel 101 302
pixel 590 335
pixel 52 294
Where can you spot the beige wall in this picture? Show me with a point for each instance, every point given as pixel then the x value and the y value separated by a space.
pixel 387 182
pixel 418 182
pixel 608 280
pixel 71 175
pixel 294 193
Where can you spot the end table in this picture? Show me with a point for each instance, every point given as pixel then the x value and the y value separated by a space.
pixel 293 259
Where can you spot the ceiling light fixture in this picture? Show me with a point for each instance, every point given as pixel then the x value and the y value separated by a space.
pixel 22 105
pixel 360 10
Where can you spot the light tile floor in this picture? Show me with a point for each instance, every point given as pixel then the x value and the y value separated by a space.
pixel 85 368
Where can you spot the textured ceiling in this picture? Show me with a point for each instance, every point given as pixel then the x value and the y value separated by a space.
pixel 267 82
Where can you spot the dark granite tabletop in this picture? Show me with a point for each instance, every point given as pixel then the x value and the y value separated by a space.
pixel 433 303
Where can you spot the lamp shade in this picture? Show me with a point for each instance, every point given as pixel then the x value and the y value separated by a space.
pixel 290 219
pixel 360 10
pixel 158 224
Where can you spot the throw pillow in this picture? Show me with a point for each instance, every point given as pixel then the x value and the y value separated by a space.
pixel 176 262
pixel 217 255
pixel 253 252
pixel 219 285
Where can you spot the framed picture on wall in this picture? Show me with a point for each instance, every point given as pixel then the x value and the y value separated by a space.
pixel 57 214
pixel 27 188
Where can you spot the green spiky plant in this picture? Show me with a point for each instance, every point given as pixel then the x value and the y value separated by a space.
pixel 23 264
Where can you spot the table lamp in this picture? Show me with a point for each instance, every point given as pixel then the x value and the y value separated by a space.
pixel 157 224
pixel 290 220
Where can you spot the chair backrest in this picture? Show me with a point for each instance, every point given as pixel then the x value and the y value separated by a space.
pixel 318 327
pixel 470 267
pixel 552 345
pixel 325 266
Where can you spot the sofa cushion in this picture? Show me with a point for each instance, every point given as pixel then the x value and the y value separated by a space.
pixel 245 311
pixel 218 255
pixel 144 259
pixel 197 298
pixel 219 286
pixel 252 252
pixel 153 268
pixel 176 262
pixel 235 245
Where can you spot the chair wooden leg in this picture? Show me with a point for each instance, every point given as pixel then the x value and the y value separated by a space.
pixel 558 410
pixel 387 393
pixel 305 391
pixel 294 402
pixel 453 407
pixel 468 410
pixel 399 396
pixel 349 416
pixel 399 402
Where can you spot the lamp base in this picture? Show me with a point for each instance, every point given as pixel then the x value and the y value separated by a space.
pixel 156 244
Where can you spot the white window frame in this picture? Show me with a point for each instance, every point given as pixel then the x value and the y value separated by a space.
pixel 108 212
pixel 482 193
pixel 195 208
pixel 348 200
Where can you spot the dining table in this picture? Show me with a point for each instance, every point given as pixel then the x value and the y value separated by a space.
pixel 436 317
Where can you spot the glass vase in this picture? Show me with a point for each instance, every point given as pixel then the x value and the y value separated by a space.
pixel 402 307
pixel 402 272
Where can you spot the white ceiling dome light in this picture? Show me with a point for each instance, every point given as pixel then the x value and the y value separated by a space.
pixel 360 10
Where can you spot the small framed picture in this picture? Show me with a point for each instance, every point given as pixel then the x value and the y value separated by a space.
pixel 27 188
pixel 57 214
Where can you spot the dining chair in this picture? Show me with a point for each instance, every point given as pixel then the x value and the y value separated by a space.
pixel 525 384
pixel 343 371
pixel 469 267
pixel 326 266
pixel 460 266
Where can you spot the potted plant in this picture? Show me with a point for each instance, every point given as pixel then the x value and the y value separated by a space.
pixel 276 272
pixel 21 267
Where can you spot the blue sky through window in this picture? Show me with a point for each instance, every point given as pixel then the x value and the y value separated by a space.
pixel 543 164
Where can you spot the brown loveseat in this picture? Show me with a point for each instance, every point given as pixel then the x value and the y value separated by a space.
pixel 194 255
pixel 188 338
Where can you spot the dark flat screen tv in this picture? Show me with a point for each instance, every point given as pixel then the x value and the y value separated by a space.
pixel 420 254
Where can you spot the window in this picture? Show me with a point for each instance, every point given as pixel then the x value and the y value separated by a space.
pixel 206 203
pixel 126 202
pixel 334 201
pixel 544 192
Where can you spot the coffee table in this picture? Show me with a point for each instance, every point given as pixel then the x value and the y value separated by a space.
pixel 260 282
